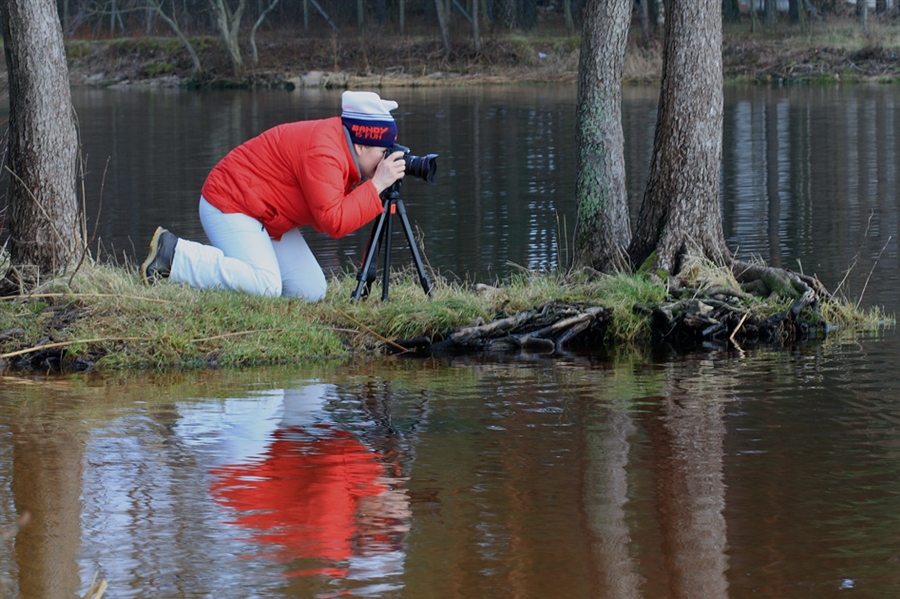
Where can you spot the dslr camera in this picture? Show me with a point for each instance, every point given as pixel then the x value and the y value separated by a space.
pixel 423 167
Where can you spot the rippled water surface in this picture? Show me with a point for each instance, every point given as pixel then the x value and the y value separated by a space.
pixel 720 474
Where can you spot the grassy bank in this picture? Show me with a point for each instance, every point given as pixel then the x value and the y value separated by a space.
pixel 103 318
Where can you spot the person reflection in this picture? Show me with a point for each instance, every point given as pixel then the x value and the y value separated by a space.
pixel 318 495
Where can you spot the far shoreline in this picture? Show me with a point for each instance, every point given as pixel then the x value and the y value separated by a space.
pixel 833 53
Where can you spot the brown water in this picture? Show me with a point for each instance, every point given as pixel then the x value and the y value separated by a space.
pixel 725 473
pixel 720 474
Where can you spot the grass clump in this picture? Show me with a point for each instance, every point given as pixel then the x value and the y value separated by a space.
pixel 407 314
pixel 106 316
pixel 622 292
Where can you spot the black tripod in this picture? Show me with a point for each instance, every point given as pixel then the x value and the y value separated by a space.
pixel 381 231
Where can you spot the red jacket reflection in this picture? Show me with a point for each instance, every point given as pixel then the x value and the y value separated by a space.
pixel 304 495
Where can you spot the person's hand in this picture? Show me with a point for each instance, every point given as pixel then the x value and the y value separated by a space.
pixel 390 169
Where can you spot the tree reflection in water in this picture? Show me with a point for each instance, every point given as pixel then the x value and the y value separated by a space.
pixel 685 429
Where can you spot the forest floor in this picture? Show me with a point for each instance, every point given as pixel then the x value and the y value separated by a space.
pixel 832 51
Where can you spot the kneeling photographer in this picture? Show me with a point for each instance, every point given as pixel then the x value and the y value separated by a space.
pixel 328 174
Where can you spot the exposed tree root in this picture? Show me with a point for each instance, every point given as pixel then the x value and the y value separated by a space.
pixel 765 280
pixel 549 328
pixel 686 322
pixel 689 316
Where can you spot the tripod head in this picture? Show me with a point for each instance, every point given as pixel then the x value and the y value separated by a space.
pixel 392 192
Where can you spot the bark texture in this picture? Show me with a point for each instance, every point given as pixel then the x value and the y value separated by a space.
pixel 680 212
pixel 603 230
pixel 43 144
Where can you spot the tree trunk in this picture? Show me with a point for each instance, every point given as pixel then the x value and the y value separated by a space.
pixel 794 11
pixel 505 13
pixel 644 12
pixel 680 211
pixel 476 30
pixel 570 20
pixel 65 15
pixel 731 11
pixel 771 13
pixel 259 21
pixel 43 142
pixel 603 228
pixel 158 7
pixel 527 14
pixel 442 25
pixel 229 24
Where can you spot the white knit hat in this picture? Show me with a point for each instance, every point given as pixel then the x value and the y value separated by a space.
pixel 368 118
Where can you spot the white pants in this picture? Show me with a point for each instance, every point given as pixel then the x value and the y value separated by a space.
pixel 244 258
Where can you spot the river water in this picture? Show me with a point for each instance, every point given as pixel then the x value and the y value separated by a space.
pixel 723 473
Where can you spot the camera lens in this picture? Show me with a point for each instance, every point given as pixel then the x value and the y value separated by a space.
pixel 423 167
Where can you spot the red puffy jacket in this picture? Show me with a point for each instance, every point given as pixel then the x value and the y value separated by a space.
pixel 292 175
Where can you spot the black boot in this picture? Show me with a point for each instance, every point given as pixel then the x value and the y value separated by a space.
pixel 158 264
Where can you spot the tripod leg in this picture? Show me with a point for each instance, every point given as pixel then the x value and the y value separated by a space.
pixel 386 273
pixel 420 268
pixel 363 277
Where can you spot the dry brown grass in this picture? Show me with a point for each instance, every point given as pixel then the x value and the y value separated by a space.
pixel 642 64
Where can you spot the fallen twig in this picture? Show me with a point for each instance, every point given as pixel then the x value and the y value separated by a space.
pixel 371 332
pixel 738 327
pixel 96 590
pixel 6 298
pixel 872 270
pixel 36 348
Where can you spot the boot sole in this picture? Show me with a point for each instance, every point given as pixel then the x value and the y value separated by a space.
pixel 154 250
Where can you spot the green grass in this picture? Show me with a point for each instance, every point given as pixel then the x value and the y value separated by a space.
pixel 159 68
pixel 104 314
pixel 129 325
